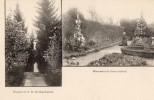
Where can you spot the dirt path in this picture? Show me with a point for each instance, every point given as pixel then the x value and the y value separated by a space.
pixel 34 79
pixel 84 60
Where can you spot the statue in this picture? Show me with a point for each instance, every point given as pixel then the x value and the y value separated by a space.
pixel 142 42
pixel 34 46
pixel 36 68
pixel 124 39
pixel 78 36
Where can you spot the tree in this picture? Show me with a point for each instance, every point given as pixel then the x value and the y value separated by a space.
pixel 93 14
pixel 18 16
pixel 53 57
pixel 129 26
pixel 16 54
pixel 45 22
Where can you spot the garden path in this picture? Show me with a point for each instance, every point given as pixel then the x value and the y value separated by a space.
pixel 84 60
pixel 34 79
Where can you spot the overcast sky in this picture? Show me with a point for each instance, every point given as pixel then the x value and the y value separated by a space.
pixel 116 9
pixel 28 8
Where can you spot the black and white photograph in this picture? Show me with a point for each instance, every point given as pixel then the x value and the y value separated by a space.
pixel 33 43
pixel 77 49
pixel 108 33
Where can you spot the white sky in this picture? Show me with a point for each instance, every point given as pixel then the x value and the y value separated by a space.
pixel 116 9
pixel 28 8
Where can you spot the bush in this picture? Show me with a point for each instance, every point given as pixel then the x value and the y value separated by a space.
pixel 91 42
pixel 53 57
pixel 15 68
pixel 54 77
pixel 16 52
pixel 14 76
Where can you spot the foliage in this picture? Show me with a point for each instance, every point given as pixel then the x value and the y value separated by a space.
pixel 102 32
pixel 18 16
pixel 93 14
pixel 53 57
pixel 151 29
pixel 32 55
pixel 92 42
pixel 91 30
pixel 45 23
pixel 129 26
pixel 117 59
pixel 16 54
pixel 68 25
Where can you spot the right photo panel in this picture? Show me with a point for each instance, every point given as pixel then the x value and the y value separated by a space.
pixel 108 33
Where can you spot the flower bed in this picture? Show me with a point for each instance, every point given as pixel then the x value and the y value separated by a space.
pixel 118 59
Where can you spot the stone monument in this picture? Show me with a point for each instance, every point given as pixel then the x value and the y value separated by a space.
pixel 78 36
pixel 142 41
pixel 142 37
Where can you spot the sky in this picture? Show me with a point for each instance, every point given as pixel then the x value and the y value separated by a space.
pixel 117 9
pixel 28 9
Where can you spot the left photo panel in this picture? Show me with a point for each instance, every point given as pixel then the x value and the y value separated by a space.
pixel 33 43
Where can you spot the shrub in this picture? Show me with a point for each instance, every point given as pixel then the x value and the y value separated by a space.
pixel 53 57
pixel 91 42
pixel 16 52
pixel 15 75
pixel 53 77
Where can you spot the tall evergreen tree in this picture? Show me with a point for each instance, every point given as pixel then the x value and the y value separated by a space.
pixel 46 23
pixel 16 53
pixel 18 16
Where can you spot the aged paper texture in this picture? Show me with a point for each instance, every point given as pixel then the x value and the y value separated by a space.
pixel 86 83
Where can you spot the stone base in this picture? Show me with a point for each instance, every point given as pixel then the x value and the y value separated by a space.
pixel 138 51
